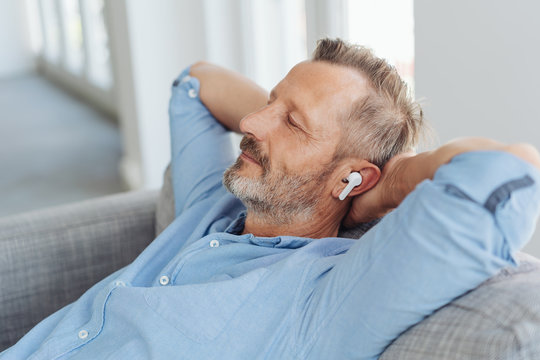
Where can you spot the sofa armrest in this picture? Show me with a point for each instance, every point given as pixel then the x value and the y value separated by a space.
pixel 50 257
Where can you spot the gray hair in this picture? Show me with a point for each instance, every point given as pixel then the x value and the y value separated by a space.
pixel 382 124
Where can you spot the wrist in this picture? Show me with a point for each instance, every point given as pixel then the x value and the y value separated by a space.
pixel 404 174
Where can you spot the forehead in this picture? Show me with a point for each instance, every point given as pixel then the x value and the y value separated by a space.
pixel 321 90
pixel 317 71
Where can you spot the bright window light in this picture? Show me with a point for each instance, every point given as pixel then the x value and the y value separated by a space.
pixel 278 39
pixel 387 27
pixel 34 26
pixel 51 27
pixel 95 33
pixel 73 36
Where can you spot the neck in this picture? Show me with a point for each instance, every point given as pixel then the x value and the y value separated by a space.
pixel 323 223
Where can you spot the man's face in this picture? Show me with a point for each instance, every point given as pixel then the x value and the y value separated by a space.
pixel 286 162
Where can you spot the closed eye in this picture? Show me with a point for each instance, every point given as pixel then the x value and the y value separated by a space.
pixel 291 122
pixel 296 126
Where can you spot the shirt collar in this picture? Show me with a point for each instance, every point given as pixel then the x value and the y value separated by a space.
pixel 237 225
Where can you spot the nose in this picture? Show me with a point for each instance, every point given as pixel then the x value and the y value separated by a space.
pixel 260 123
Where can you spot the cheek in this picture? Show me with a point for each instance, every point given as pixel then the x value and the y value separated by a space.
pixel 294 153
pixel 298 158
pixel 287 154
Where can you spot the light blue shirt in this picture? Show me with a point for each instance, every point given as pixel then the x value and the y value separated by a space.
pixel 202 291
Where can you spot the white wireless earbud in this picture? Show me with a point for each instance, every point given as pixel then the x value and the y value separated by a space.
pixel 354 179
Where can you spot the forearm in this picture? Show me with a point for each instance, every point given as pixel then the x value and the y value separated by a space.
pixel 411 171
pixel 228 95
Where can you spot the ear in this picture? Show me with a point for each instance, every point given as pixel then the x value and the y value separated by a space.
pixel 370 177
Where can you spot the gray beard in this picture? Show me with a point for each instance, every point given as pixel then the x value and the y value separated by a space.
pixel 276 197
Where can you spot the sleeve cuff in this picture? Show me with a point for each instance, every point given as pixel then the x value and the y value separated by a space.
pixel 487 177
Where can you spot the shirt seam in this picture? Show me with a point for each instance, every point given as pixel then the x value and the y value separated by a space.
pixel 308 347
pixel 296 311
pixel 97 332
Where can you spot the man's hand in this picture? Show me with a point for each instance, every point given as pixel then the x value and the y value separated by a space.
pixel 404 171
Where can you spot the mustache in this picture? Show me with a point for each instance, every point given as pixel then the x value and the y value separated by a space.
pixel 251 147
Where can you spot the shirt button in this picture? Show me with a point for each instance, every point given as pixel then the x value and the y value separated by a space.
pixel 214 243
pixel 186 78
pixel 164 280
pixel 192 93
pixel 120 283
pixel 83 334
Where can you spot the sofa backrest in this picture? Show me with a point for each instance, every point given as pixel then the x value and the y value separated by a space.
pixel 500 319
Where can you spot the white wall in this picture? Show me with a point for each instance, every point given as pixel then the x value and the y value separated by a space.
pixel 477 66
pixel 15 52
pixel 150 44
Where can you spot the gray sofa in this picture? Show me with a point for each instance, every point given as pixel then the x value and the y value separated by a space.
pixel 48 258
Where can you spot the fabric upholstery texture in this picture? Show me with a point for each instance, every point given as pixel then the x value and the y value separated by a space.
pixel 165 203
pixel 48 258
pixel 498 320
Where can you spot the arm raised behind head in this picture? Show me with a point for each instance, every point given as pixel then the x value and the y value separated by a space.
pixel 403 172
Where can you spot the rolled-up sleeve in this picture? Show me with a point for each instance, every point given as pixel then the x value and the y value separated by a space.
pixel 201 147
pixel 449 235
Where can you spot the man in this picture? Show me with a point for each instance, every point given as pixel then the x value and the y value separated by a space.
pixel 261 274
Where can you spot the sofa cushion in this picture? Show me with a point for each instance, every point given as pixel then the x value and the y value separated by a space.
pixel 498 320
pixel 165 203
